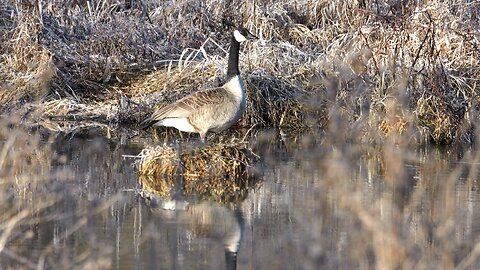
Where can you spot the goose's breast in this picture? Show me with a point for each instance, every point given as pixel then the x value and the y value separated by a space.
pixel 228 115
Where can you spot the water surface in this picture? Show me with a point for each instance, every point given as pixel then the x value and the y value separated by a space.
pixel 312 207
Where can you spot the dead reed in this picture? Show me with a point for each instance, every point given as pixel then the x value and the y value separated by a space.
pixel 413 217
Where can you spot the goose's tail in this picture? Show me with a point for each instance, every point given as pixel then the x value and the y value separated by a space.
pixel 146 123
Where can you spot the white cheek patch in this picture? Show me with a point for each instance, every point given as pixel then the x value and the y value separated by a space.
pixel 238 36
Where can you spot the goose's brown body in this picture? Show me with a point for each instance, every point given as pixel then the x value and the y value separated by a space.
pixel 213 109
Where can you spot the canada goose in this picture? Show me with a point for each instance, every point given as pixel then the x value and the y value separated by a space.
pixel 214 109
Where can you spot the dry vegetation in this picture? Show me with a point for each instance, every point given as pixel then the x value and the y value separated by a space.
pixel 390 67
pixel 221 172
pixel 364 71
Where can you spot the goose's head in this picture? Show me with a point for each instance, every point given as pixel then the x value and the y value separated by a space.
pixel 241 34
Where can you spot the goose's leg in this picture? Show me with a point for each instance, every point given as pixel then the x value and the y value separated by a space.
pixel 203 136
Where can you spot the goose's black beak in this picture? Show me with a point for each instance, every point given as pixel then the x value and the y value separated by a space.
pixel 251 36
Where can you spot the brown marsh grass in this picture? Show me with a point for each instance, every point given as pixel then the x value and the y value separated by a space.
pixel 363 56
pixel 220 172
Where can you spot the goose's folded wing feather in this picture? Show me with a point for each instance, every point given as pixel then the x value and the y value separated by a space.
pixel 190 104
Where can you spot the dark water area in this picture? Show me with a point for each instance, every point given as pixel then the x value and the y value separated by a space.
pixel 322 211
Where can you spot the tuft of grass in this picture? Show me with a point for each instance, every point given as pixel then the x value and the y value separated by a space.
pixel 27 69
pixel 221 172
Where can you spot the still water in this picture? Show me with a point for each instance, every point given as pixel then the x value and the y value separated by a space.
pixel 313 206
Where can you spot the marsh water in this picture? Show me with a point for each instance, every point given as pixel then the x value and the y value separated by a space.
pixel 309 208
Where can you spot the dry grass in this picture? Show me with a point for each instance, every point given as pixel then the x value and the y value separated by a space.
pixel 27 68
pixel 311 55
pixel 413 220
pixel 23 156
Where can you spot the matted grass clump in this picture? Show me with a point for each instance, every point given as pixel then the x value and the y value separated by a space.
pixel 221 172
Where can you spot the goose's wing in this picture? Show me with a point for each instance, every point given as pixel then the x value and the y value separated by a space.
pixel 189 105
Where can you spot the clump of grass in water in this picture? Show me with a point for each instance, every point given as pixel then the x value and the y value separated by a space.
pixel 220 172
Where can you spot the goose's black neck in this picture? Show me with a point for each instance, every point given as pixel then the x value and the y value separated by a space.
pixel 231 260
pixel 233 59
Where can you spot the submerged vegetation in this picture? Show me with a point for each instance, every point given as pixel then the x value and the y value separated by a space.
pixel 355 81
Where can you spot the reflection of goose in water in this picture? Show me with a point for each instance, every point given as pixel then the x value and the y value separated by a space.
pixel 211 220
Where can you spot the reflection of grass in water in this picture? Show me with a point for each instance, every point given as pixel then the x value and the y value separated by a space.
pixel 33 201
pixel 389 216
pixel 388 206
